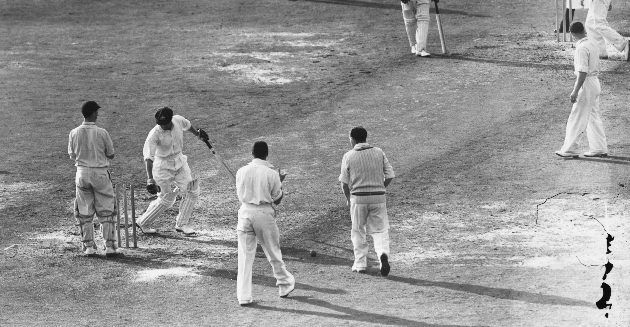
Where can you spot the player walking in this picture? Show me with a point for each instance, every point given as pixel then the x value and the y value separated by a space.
pixel 585 116
pixel 92 148
pixel 600 31
pixel 365 173
pixel 258 187
pixel 166 166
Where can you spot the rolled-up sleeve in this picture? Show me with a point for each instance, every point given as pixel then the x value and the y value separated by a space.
pixel 184 123
pixel 581 60
pixel 388 170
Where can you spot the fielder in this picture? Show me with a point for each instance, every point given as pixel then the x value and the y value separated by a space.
pixel 258 187
pixel 416 16
pixel 365 174
pixel 166 165
pixel 92 148
pixel 599 31
pixel 585 116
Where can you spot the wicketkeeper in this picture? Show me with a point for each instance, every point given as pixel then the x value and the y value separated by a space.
pixel 92 148
pixel 167 166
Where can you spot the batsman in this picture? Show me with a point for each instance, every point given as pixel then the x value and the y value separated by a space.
pixel 166 166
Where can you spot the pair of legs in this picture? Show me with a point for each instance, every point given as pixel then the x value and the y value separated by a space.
pixel 95 195
pixel 585 117
pixel 258 224
pixel 598 29
pixel 416 16
pixel 369 218
pixel 184 185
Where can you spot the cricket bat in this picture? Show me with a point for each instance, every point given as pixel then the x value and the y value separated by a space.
pixel 440 30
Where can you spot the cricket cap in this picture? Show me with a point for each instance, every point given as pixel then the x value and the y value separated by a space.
pixel 88 108
pixel 163 116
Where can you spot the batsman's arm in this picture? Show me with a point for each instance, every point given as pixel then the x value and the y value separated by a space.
pixel 148 165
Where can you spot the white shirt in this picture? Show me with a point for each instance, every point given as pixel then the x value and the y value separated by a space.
pixel 365 168
pixel 89 146
pixel 586 57
pixel 164 147
pixel 258 183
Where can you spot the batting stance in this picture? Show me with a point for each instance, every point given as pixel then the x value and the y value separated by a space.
pixel 585 116
pixel 416 16
pixel 365 173
pixel 91 148
pixel 166 165
pixel 258 186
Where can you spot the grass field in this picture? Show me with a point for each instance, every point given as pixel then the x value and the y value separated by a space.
pixel 489 228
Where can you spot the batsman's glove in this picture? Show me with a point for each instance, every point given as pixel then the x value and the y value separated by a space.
pixel 152 188
pixel 202 135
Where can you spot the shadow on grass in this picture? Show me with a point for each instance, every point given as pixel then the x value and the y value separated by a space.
pixel 499 293
pixel 268 281
pixel 507 63
pixel 344 313
pixel 391 5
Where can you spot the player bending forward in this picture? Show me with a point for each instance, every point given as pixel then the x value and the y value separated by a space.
pixel 166 166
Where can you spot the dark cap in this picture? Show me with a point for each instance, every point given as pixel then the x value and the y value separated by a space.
pixel 576 27
pixel 88 108
pixel 163 116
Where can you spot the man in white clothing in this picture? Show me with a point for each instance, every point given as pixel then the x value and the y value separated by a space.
pixel 585 116
pixel 91 148
pixel 259 186
pixel 600 31
pixel 166 166
pixel 416 17
pixel 365 174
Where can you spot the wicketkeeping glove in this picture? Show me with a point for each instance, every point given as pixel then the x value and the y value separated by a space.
pixel 203 135
pixel 152 188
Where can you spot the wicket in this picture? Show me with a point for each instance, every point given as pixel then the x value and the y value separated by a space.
pixel 123 188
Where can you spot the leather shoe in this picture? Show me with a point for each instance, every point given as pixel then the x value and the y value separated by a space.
pixel 595 155
pixel 384 265
pixel 567 154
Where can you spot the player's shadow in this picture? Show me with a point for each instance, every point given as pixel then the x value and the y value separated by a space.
pixel 268 281
pixel 195 239
pixel 345 313
pixel 509 63
pixel 499 293
pixel 609 159
pixel 392 5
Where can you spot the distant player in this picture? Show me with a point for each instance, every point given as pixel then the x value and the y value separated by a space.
pixel 585 116
pixel 167 166
pixel 365 174
pixel 416 17
pixel 92 148
pixel 259 187
pixel 600 31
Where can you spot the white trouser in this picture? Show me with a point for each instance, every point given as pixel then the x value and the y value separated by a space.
pixel 258 223
pixel 94 195
pixel 597 28
pixel 184 185
pixel 368 218
pixel 416 16
pixel 585 117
